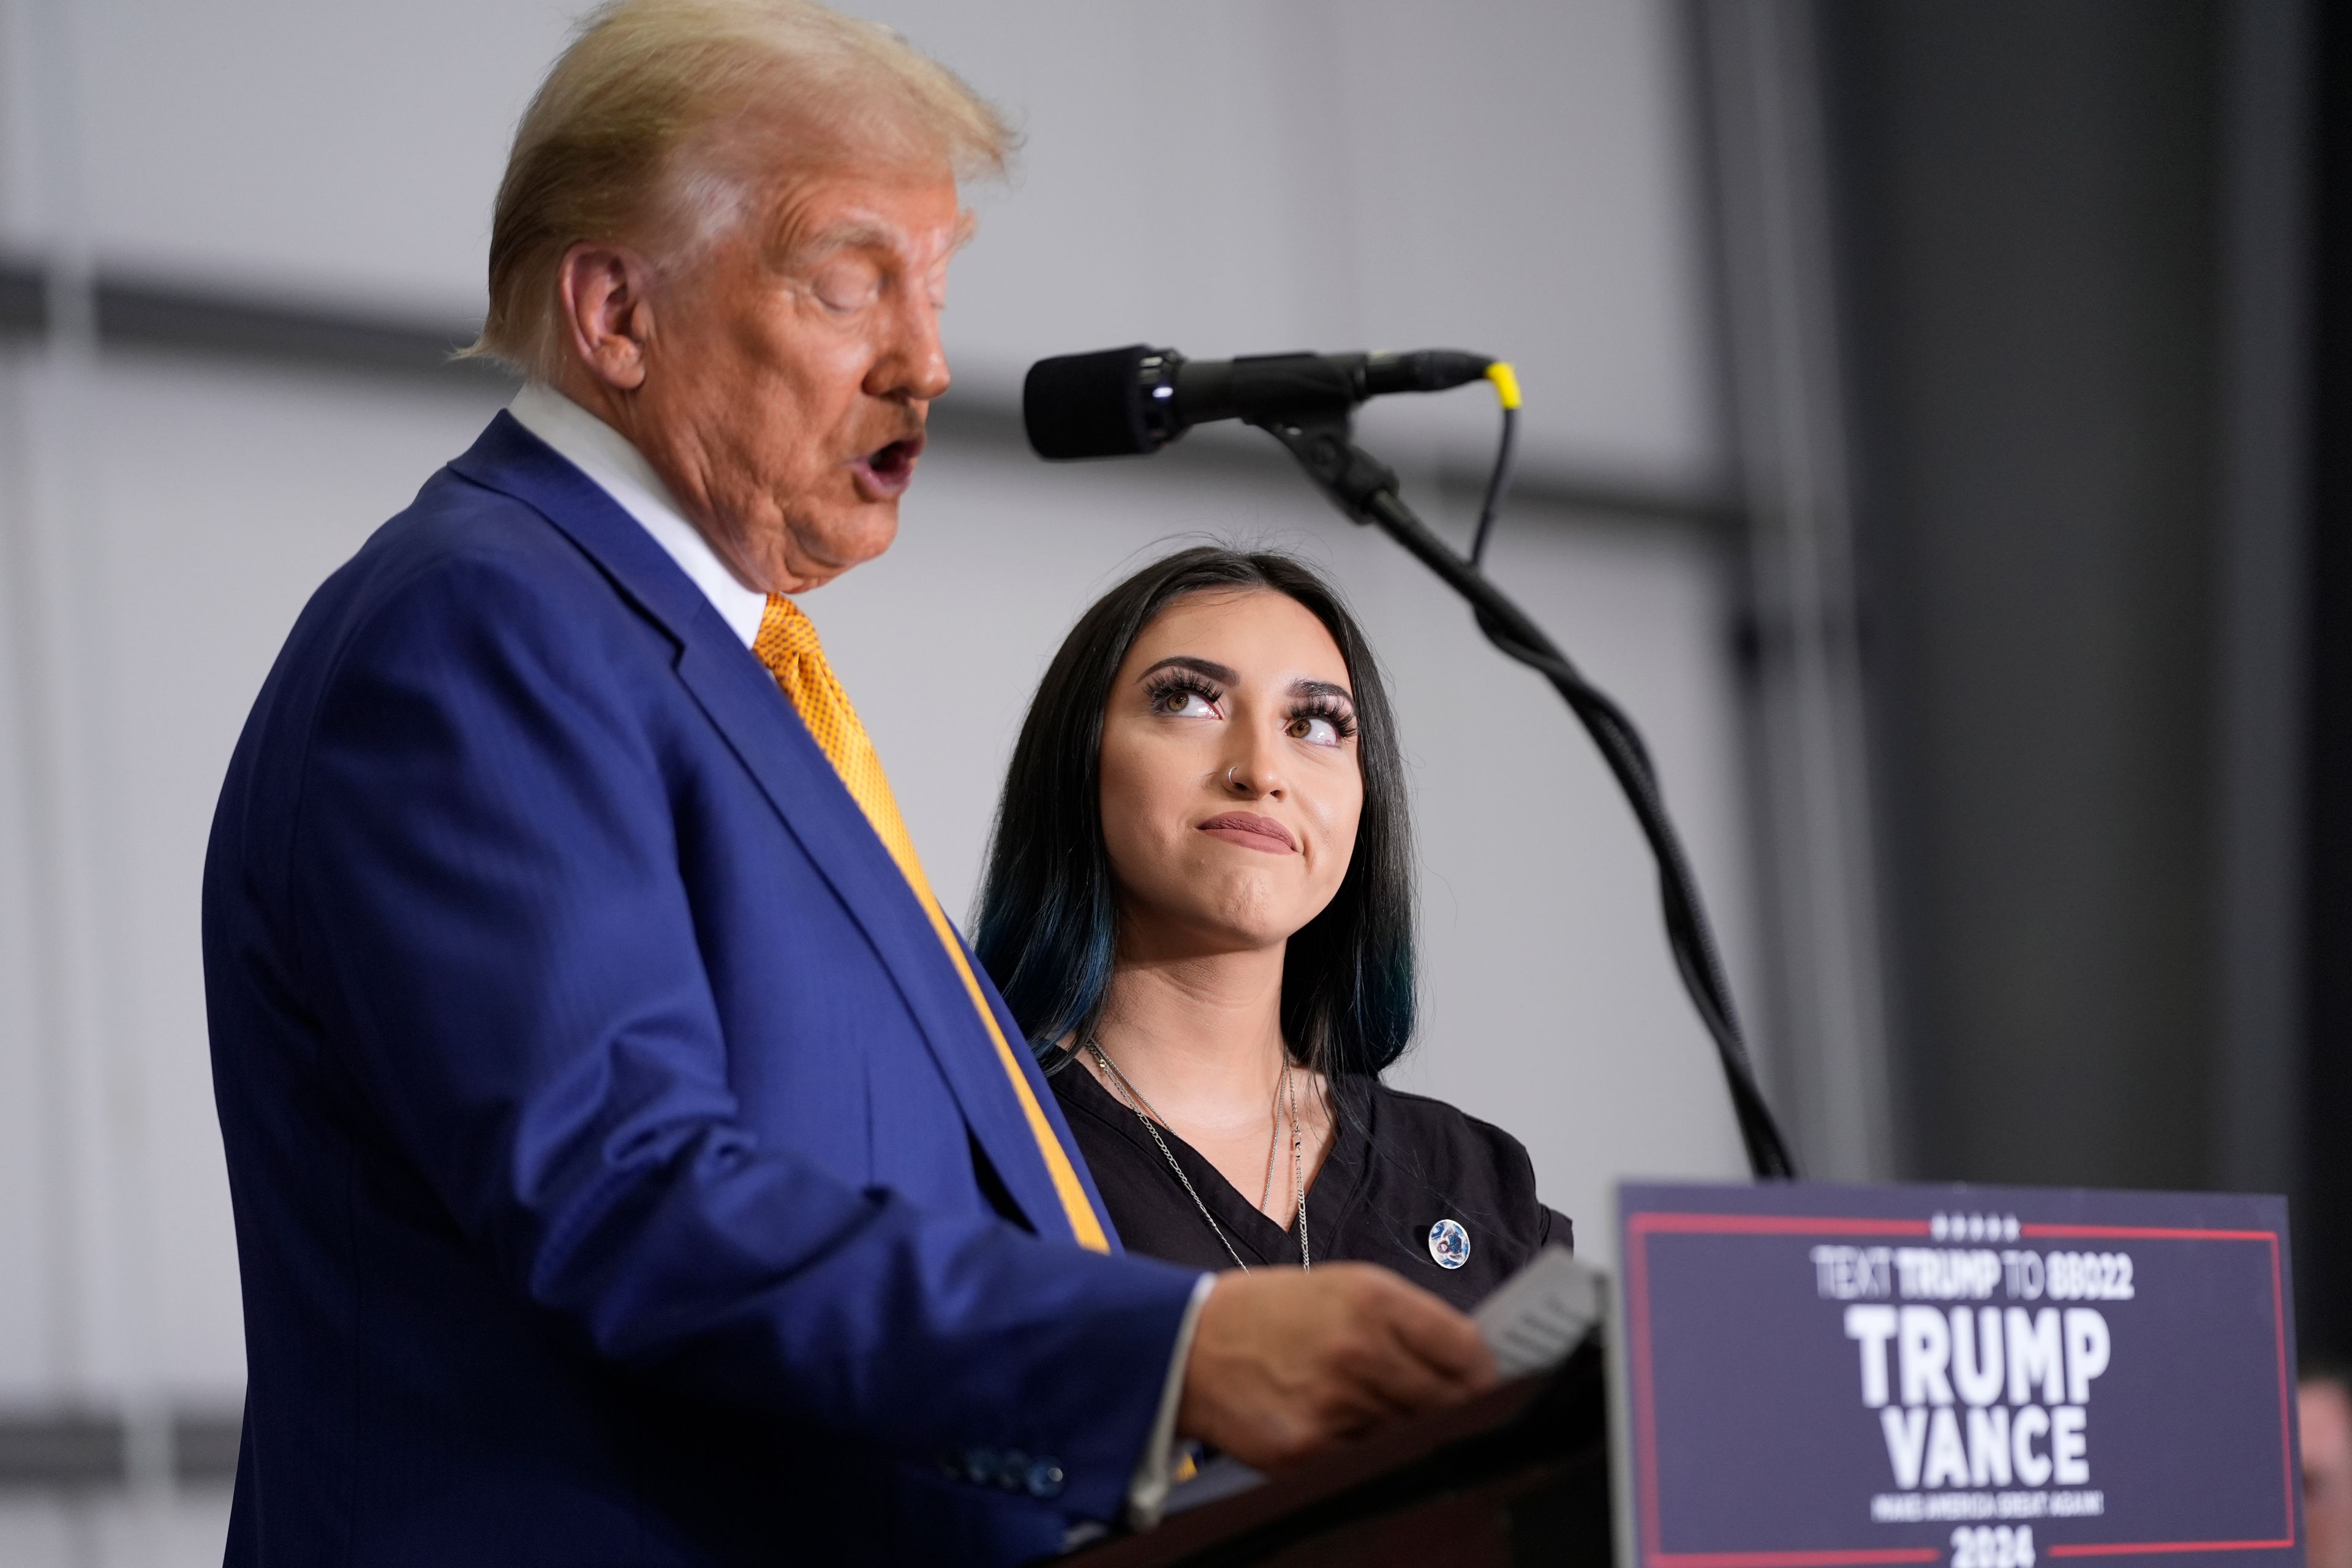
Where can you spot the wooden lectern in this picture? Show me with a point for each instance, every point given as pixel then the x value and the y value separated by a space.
pixel 1519 1475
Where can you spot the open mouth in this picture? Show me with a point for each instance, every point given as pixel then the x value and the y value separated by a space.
pixel 886 471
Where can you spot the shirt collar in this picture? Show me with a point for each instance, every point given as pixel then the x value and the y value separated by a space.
pixel 621 471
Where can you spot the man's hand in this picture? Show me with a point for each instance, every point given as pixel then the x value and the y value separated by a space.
pixel 1286 1362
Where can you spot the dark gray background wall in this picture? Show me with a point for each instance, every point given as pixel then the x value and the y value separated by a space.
pixel 2323 1254
pixel 2086 252
pixel 2028 205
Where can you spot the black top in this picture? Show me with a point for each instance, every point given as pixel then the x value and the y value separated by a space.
pixel 1399 1165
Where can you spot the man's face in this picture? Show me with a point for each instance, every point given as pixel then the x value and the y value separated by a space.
pixel 790 368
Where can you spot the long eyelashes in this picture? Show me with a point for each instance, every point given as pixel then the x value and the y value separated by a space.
pixel 1173 682
pixel 1331 710
pixel 1179 682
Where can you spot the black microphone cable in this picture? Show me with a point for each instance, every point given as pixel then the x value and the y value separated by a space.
pixel 1367 490
pixel 1689 937
pixel 1498 482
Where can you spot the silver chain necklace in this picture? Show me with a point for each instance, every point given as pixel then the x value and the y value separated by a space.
pixel 1132 1097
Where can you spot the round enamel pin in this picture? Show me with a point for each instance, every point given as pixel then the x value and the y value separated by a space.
pixel 1449 1244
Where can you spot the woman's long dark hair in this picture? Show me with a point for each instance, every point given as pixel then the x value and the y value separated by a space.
pixel 1047 925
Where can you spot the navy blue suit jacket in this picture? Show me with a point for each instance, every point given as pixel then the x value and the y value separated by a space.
pixel 621 1171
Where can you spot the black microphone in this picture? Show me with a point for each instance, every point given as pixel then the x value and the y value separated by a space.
pixel 1123 403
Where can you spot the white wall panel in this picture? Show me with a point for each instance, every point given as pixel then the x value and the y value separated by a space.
pixel 1246 178
pixel 181 1530
pixel 233 496
pixel 86 1125
pixel 29 1193
pixel 348 153
pixel 195 511
pixel 20 217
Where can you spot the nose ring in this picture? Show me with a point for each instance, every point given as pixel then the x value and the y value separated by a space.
pixel 1229 775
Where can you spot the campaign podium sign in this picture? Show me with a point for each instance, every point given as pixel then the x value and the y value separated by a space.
pixel 1812 1376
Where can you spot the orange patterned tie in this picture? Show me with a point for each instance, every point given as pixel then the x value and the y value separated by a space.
pixel 788 645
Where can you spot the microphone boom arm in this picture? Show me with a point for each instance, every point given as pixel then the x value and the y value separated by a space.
pixel 1365 490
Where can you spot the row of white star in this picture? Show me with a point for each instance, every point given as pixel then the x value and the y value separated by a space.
pixel 1973 1227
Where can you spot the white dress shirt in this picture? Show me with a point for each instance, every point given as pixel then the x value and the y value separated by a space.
pixel 621 471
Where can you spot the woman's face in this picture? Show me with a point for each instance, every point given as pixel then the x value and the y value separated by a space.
pixel 1230 789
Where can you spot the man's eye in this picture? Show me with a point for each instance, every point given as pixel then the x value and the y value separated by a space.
pixel 1314 730
pixel 846 285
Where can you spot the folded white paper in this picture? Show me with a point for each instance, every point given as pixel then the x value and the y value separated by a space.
pixel 1538 1315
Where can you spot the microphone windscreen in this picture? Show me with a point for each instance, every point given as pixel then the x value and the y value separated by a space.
pixel 1087 406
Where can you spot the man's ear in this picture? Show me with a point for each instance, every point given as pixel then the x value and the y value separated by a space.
pixel 604 291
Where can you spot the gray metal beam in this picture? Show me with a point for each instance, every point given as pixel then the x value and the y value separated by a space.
pixel 149 313
pixel 86 1450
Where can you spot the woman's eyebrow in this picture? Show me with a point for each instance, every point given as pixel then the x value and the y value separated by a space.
pixel 1322 689
pixel 1207 666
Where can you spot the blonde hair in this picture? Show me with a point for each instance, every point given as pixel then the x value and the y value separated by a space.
pixel 627 129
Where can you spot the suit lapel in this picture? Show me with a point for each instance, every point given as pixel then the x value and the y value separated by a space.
pixel 744 703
